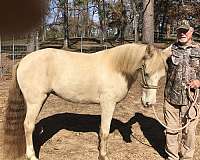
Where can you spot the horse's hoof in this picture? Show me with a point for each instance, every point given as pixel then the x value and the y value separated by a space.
pixel 103 157
pixel 32 158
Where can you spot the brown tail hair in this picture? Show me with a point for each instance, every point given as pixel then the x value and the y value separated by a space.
pixel 14 136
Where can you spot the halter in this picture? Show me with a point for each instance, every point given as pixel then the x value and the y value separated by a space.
pixel 144 83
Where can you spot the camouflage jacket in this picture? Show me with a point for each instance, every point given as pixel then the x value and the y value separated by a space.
pixel 183 66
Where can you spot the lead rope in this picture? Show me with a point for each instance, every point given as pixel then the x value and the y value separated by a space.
pixel 193 100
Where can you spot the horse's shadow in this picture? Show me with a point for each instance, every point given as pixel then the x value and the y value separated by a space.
pixel 152 130
pixel 48 127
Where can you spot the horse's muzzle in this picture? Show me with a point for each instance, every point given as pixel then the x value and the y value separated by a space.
pixel 146 104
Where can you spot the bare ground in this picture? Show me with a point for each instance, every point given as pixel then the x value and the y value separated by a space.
pixel 67 131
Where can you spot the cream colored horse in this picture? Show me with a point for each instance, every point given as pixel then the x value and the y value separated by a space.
pixel 103 77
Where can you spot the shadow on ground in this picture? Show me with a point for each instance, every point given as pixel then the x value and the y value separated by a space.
pixel 152 130
pixel 48 127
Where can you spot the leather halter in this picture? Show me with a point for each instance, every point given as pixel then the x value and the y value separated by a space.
pixel 144 83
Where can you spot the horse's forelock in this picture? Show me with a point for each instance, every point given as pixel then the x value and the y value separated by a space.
pixel 155 60
pixel 150 51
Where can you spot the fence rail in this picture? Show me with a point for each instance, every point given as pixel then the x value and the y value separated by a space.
pixel 12 49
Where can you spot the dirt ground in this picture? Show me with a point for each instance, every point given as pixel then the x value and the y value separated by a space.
pixel 67 131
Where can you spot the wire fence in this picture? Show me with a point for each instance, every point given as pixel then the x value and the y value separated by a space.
pixel 12 49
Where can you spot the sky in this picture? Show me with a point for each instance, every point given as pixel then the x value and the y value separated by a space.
pixel 54 11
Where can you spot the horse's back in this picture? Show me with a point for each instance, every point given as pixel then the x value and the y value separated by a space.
pixel 50 59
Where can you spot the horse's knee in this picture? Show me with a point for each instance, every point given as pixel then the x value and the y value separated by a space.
pixel 103 137
pixel 104 132
pixel 28 127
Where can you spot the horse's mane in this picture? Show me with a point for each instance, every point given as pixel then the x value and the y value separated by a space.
pixel 126 58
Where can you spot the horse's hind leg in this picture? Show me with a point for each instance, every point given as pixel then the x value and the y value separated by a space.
pixel 107 108
pixel 33 108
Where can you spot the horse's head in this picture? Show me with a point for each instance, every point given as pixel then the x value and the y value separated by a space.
pixel 153 68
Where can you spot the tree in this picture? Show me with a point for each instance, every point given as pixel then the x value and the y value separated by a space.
pixel 117 18
pixel 168 12
pixel 64 3
pixel 101 12
pixel 148 21
pixel 136 19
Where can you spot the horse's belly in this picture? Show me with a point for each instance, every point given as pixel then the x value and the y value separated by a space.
pixel 78 96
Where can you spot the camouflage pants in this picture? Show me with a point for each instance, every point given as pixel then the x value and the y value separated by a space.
pixel 179 145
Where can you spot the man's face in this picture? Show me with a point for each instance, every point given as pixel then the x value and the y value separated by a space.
pixel 184 36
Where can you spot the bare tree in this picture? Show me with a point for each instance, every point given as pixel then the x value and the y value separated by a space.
pixel 148 21
pixel 136 19
pixel 101 12
pixel 65 24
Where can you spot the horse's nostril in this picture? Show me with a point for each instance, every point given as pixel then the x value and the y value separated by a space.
pixel 148 104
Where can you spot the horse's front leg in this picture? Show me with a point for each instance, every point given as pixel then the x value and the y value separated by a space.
pixel 107 108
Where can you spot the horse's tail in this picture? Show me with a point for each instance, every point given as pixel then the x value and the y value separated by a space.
pixel 14 136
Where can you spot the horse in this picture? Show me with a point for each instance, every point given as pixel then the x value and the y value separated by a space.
pixel 103 78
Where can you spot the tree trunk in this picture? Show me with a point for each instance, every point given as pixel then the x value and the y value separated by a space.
pixel 75 20
pixel 168 30
pixel 65 25
pixel 164 19
pixel 44 31
pixel 37 41
pixel 123 22
pixel 136 19
pixel 148 21
pixel 86 18
pixel 101 19
pixel 31 46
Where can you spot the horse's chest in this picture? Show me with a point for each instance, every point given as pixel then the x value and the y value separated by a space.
pixel 117 90
pixel 121 92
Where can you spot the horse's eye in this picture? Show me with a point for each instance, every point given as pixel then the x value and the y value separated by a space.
pixel 146 74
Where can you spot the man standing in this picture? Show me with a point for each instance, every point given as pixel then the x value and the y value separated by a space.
pixel 183 72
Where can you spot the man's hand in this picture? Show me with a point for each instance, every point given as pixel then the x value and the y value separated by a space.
pixel 194 83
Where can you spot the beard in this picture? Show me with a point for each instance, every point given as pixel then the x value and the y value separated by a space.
pixel 184 40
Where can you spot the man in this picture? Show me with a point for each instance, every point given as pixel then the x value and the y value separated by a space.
pixel 183 72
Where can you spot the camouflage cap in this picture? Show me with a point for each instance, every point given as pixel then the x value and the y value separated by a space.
pixel 183 24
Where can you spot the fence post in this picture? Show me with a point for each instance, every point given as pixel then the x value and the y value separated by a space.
pixel 37 41
pixel 13 49
pixel 1 72
pixel 81 42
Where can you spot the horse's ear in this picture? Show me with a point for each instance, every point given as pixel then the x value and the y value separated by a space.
pixel 149 51
pixel 167 52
